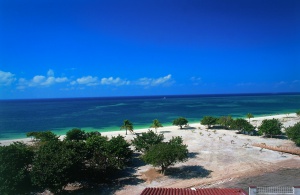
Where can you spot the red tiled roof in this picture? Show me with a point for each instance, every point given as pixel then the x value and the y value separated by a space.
pixel 188 191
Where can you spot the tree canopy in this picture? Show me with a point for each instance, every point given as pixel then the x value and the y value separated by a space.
pixel 143 142
pixel 249 115
pixel 55 165
pixel 209 121
pixel 156 124
pixel 14 173
pixel 225 121
pixel 119 152
pixel 75 135
pixel 270 127
pixel 166 154
pixel 180 122
pixel 43 136
pixel 242 125
pixel 293 133
pixel 127 125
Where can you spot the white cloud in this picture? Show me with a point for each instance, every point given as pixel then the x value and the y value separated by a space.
pixel 50 73
pixel 37 80
pixel 87 80
pixel 40 80
pixel 53 80
pixel 154 81
pixel 73 82
pixel 6 78
pixel 111 81
pixel 93 81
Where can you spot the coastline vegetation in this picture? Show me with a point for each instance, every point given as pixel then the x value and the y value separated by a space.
pixel 181 121
pixel 298 113
pixel 51 163
pixel 158 153
pixel 127 125
pixel 270 127
pixel 293 133
pixel 156 124
pixel 226 122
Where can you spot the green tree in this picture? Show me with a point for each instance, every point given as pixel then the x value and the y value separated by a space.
pixel 32 134
pixel 293 133
pixel 270 127
pixel 298 113
pixel 209 121
pixel 180 122
pixel 75 135
pixel 127 125
pixel 143 142
pixel 97 154
pixel 14 168
pixel 43 136
pixel 225 121
pixel 92 133
pixel 104 155
pixel 119 152
pixel 249 115
pixel 241 125
pixel 176 141
pixel 165 154
pixel 54 165
pixel 156 124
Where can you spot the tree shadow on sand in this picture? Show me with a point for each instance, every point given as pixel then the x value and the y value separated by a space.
pixel 188 172
pixel 189 128
pixel 116 180
pixel 164 131
pixel 193 154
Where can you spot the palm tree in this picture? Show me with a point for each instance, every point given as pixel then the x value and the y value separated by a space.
pixel 249 115
pixel 156 124
pixel 127 125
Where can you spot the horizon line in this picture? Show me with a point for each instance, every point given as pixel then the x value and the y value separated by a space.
pixel 162 95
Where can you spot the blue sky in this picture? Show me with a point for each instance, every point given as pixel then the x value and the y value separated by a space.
pixel 119 48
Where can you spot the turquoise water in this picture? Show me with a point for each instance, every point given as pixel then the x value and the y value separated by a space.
pixel 107 114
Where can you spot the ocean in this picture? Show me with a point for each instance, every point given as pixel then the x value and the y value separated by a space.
pixel 17 117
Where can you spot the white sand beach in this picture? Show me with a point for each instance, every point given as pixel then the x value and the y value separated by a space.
pixel 216 157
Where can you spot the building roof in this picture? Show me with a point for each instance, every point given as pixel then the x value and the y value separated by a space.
pixel 193 191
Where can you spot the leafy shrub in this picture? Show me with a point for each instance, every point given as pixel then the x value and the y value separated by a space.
pixel 242 125
pixel 166 154
pixel 143 142
pixel 14 163
pixel 209 121
pixel 75 135
pixel 293 133
pixel 55 165
pixel 180 122
pixel 270 127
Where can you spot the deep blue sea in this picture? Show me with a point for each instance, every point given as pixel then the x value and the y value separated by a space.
pixel 107 114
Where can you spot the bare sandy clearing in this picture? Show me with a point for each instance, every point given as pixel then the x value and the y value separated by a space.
pixel 220 157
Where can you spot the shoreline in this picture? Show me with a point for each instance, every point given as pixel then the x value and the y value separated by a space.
pixel 165 128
